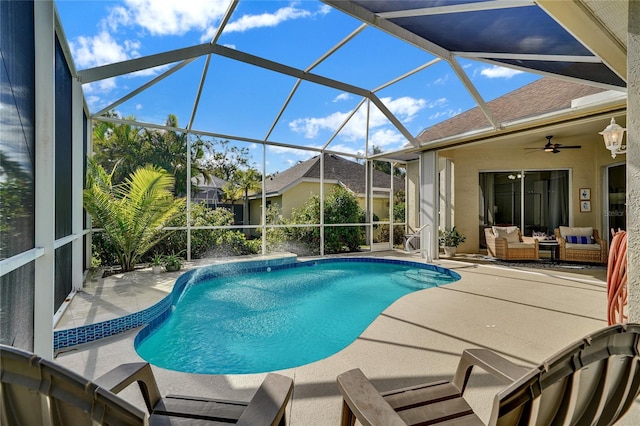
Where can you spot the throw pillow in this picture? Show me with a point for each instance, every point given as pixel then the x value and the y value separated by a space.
pixel 504 229
pixel 512 237
pixel 574 239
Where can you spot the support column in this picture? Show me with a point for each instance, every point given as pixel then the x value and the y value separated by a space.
pixel 45 179
pixel 77 158
pixel 446 189
pixel 429 195
pixel 633 161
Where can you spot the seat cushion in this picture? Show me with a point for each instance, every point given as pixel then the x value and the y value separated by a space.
pixel 510 233
pixel 577 231
pixel 595 247
pixel 522 245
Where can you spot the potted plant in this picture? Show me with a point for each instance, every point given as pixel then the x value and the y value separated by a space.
pixel 450 239
pixel 156 264
pixel 172 262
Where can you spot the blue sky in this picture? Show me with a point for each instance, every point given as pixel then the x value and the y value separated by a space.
pixel 244 101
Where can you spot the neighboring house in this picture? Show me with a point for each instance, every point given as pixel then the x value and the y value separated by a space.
pixel 506 176
pixel 210 192
pixel 291 188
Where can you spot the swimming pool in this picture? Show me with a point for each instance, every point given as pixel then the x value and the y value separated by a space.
pixel 282 317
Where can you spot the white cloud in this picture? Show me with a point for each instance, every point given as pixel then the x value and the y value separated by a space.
pixel 249 22
pixel 98 50
pixel 499 72
pixel 311 126
pixel 102 86
pixel 342 97
pixel 263 20
pixel 446 113
pixel 386 138
pixel 404 108
pixel 442 80
pixel 138 107
pixel 438 103
pixel 170 17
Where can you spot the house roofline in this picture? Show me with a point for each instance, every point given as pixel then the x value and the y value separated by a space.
pixel 574 115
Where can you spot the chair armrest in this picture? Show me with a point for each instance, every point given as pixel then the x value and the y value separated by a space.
pixel 268 405
pixel 364 400
pixel 125 374
pixel 491 362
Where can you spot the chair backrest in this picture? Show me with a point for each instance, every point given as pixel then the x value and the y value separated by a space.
pixel 510 233
pixel 593 381
pixel 36 391
pixel 584 231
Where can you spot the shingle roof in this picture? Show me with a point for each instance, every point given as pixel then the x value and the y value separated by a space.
pixel 350 173
pixel 212 182
pixel 542 96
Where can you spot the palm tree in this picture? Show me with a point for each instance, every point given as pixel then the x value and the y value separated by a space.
pixel 248 180
pixel 132 214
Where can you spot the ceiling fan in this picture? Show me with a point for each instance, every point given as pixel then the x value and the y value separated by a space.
pixel 555 147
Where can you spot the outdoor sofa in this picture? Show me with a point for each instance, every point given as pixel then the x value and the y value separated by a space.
pixel 581 244
pixel 507 243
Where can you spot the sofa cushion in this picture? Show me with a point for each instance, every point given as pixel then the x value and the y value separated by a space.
pixel 511 235
pixel 522 245
pixel 584 231
pixel 574 239
pixel 595 247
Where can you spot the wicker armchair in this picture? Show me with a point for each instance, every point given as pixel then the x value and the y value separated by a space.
pixel 507 243
pixel 581 244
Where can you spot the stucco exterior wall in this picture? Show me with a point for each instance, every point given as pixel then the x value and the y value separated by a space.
pixel 586 171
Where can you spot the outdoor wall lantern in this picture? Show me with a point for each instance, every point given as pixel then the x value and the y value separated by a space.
pixel 612 135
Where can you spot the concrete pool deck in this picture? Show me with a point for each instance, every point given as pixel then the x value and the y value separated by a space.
pixel 525 314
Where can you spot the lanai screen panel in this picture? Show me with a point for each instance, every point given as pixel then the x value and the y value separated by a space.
pixel 493 33
pixel 17 159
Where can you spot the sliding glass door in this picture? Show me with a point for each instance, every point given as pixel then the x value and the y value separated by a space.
pixel 534 200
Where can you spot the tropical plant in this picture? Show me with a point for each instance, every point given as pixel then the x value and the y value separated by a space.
pixel 172 262
pixel 247 181
pixel 450 237
pixel 131 147
pixel 132 214
pixel 156 260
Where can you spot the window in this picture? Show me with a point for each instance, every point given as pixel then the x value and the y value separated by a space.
pixel 533 200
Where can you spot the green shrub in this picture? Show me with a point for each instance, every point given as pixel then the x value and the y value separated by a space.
pixel 208 242
pixel 341 206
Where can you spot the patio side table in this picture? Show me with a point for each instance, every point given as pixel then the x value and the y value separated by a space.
pixel 552 246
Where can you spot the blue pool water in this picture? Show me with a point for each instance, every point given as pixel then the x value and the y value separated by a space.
pixel 259 322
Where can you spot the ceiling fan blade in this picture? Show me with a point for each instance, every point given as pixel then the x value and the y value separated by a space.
pixel 570 147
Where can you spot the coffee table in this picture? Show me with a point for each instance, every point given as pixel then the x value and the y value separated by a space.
pixel 552 246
